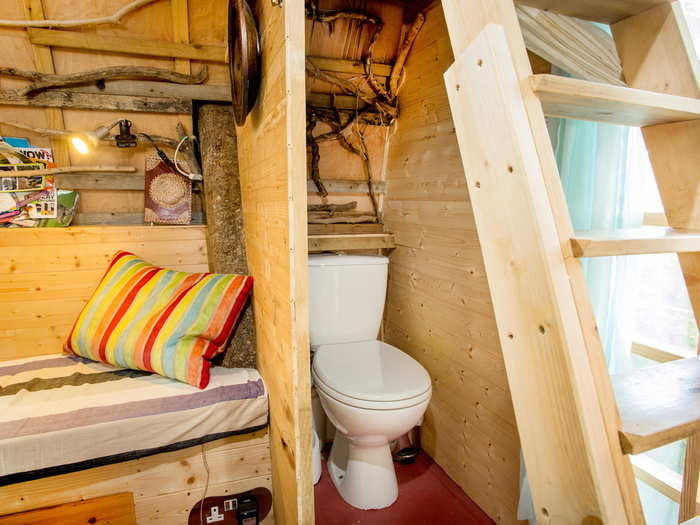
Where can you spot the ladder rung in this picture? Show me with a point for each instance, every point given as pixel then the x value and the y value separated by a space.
pixel 660 352
pixel 658 404
pixel 583 100
pixel 635 241
pixel 359 241
pixel 607 11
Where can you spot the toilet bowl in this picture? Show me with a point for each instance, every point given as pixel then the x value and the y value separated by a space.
pixel 373 393
pixel 370 391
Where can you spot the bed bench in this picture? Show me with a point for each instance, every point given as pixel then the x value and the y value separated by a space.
pixel 72 429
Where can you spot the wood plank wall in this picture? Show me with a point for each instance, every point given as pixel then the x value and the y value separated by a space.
pixel 48 274
pixel 207 26
pixel 438 305
pixel 165 486
pixel 272 163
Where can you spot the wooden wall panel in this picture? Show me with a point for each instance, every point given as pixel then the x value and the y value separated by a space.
pixel 438 305
pixel 48 274
pixel 272 153
pixel 165 486
pixel 207 24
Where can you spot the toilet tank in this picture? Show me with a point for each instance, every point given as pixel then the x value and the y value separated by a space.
pixel 346 297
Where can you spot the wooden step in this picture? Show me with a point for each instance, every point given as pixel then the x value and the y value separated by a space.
pixel 635 241
pixel 658 404
pixel 659 352
pixel 583 100
pixel 607 11
pixel 340 242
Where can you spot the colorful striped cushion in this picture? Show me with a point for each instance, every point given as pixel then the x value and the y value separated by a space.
pixel 149 318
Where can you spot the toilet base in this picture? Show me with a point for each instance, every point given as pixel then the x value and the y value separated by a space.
pixel 364 476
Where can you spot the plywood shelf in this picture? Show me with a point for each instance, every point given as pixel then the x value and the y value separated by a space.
pixel 635 241
pixel 583 100
pixel 342 242
pixel 658 405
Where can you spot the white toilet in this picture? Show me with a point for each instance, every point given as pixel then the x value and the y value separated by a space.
pixel 371 391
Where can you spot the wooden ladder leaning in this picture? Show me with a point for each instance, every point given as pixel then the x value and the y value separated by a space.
pixel 577 426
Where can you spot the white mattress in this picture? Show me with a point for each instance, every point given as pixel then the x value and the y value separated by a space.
pixel 60 413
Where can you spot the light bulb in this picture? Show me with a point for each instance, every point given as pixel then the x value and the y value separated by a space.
pixel 80 145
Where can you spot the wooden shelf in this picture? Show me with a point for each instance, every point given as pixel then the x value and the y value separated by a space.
pixel 636 241
pixel 658 405
pixel 583 100
pixel 597 10
pixel 360 241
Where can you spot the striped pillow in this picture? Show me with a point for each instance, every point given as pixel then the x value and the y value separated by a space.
pixel 149 318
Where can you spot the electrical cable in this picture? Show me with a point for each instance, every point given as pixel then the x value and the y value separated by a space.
pixel 206 486
pixel 177 151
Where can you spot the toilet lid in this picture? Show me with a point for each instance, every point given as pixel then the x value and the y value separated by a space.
pixel 370 370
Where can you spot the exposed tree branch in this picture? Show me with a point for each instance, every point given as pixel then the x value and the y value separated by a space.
pixel 112 19
pixel 402 55
pixel 351 89
pixel 315 154
pixel 343 219
pixel 330 16
pixel 43 81
pixel 332 207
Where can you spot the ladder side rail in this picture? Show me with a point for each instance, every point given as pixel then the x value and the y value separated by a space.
pixel 465 20
pixel 567 446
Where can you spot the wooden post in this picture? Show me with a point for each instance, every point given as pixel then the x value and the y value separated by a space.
pixel 222 203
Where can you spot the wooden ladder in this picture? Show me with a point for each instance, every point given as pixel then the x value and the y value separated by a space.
pixel 576 425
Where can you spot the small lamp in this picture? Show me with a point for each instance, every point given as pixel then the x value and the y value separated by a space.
pixel 86 141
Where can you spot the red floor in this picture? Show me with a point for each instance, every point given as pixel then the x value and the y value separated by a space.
pixel 426 497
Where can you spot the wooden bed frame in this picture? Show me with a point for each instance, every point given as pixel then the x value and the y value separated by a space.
pixel 47 275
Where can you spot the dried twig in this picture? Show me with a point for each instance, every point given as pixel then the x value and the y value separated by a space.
pixel 368 172
pixel 44 132
pixel 69 169
pixel 112 19
pixel 43 81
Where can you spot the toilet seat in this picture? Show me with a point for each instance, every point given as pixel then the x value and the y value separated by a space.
pixel 370 405
pixel 370 374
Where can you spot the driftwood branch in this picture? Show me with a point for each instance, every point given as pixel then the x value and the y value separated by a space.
pixel 384 101
pixel 332 208
pixel 69 169
pixel 361 219
pixel 402 55
pixel 315 154
pixel 43 81
pixel 350 88
pixel 330 16
pixel 111 19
